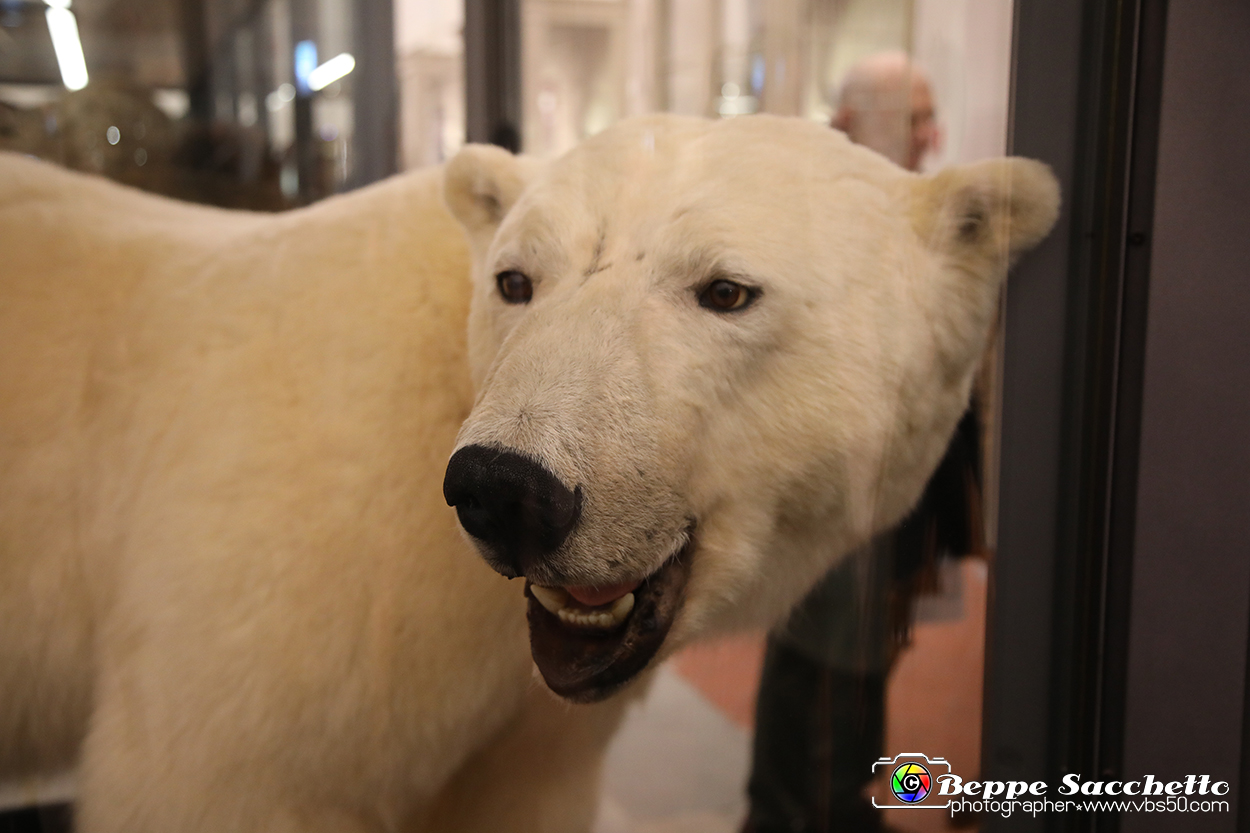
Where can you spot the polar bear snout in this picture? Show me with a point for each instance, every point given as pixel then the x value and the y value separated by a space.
pixel 513 505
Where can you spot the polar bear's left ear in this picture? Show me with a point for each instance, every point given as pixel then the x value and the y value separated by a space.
pixel 480 185
pixel 996 209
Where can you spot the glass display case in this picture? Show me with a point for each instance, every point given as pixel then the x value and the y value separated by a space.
pixel 1006 651
pixel 260 105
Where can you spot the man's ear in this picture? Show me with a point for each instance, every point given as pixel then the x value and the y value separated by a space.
pixel 480 185
pixel 996 210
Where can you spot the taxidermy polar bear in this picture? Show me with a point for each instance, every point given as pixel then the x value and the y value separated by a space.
pixel 703 360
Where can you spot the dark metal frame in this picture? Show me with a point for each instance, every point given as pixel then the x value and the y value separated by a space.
pixel 376 141
pixel 1087 88
pixel 492 69
pixel 1243 787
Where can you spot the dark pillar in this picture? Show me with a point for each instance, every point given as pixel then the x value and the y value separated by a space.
pixel 492 67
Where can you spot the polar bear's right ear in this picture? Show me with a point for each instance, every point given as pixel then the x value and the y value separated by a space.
pixel 978 218
pixel 996 209
pixel 480 185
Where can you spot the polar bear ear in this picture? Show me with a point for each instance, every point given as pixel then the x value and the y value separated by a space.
pixel 996 209
pixel 480 185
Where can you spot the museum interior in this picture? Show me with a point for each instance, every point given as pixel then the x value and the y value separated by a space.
pixel 1070 593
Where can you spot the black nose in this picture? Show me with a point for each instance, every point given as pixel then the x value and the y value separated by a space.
pixel 512 504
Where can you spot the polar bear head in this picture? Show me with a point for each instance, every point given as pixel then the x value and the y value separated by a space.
pixel 710 359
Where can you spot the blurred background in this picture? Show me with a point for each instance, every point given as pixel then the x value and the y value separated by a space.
pixel 238 103
pixel 1111 571
pixel 272 103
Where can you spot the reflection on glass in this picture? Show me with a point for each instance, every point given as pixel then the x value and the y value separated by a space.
pixel 196 99
pixel 587 63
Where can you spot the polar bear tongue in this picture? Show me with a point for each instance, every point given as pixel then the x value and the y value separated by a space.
pixel 596 596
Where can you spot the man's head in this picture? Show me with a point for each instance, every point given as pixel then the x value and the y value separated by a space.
pixel 886 104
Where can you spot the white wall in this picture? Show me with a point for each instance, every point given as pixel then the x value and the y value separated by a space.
pixel 432 25
pixel 966 47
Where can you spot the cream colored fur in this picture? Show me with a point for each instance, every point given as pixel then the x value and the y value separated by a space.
pixel 230 589
pixel 229 583
pixel 788 432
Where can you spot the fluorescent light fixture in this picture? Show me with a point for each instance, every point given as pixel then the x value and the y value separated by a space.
pixel 305 64
pixel 64 30
pixel 58 4
pixel 331 71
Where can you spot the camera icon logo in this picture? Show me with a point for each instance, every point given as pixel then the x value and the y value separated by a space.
pixel 912 778
pixel 910 782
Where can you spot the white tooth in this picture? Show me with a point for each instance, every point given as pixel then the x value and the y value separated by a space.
pixel 600 619
pixel 552 598
pixel 621 608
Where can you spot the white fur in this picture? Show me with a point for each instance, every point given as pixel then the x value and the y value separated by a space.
pixel 229 584
pixel 790 431
pixel 230 588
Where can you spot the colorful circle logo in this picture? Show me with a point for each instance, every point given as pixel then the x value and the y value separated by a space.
pixel 910 782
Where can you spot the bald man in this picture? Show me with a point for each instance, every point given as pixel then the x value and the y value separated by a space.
pixel 886 103
pixel 820 714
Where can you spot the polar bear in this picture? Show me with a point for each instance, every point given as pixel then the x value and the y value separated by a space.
pixel 701 361
pixel 710 359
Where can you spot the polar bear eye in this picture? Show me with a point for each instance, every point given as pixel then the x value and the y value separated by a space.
pixel 514 287
pixel 725 296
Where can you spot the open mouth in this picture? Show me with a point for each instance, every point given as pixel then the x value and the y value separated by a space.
pixel 589 641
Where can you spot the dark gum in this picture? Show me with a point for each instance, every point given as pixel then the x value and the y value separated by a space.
pixel 586 665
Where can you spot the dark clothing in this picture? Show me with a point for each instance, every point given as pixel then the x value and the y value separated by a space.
pixel 820 716
pixel 818 732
